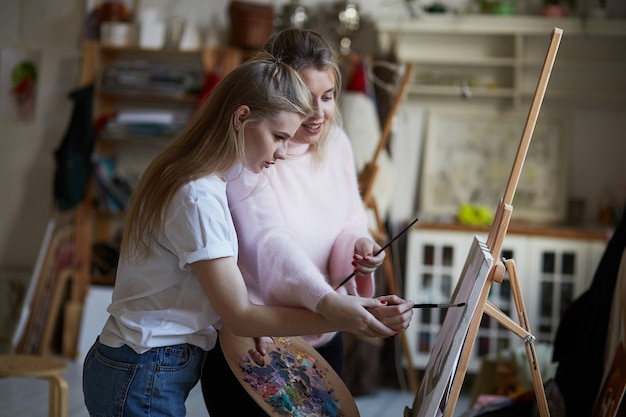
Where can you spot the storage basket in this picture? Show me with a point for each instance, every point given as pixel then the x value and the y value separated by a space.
pixel 251 24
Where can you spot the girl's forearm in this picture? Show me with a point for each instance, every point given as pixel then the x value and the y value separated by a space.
pixel 259 321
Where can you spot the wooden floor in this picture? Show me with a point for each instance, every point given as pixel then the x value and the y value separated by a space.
pixel 26 397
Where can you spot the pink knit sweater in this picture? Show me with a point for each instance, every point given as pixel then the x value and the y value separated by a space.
pixel 297 225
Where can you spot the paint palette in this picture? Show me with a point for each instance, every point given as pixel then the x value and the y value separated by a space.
pixel 294 381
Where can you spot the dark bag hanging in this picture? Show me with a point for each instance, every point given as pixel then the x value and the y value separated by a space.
pixel 73 156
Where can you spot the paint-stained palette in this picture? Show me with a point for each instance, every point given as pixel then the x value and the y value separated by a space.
pixel 294 381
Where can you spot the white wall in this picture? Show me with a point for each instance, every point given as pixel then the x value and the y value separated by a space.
pixel 598 157
pixel 26 148
pixel 54 28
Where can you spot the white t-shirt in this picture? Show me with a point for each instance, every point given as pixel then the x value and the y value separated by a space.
pixel 160 302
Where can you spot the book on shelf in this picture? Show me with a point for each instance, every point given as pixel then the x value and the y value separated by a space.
pixel 145 124
pixel 136 76
pixel 112 190
pixel 153 116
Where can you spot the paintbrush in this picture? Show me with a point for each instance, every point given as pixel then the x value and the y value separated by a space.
pixel 378 252
pixel 438 305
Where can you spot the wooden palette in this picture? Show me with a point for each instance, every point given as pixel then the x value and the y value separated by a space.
pixel 294 381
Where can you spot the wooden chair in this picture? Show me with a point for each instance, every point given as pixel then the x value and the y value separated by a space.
pixel 34 366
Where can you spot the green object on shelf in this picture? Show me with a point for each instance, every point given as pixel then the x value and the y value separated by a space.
pixel 499 7
pixel 474 215
pixel 504 9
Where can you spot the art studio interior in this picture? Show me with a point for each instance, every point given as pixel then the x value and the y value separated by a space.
pixel 488 139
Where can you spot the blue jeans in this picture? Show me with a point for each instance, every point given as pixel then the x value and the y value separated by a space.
pixel 120 382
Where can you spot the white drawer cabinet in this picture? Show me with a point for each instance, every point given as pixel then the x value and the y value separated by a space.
pixel 553 270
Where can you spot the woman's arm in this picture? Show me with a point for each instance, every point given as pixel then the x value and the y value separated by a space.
pixel 354 248
pixel 277 269
pixel 224 286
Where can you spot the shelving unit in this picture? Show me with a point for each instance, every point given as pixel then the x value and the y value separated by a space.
pixel 145 82
pixel 90 224
pixel 160 86
pixel 500 57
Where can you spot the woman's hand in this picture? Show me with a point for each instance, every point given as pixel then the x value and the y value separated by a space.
pixel 364 261
pixel 396 314
pixel 260 349
pixel 352 314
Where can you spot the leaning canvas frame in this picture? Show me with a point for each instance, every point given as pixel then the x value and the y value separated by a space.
pixel 467 156
pixel 42 258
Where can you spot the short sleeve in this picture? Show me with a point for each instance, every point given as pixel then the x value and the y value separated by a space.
pixel 199 227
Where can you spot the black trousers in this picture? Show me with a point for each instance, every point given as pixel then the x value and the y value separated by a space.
pixel 219 384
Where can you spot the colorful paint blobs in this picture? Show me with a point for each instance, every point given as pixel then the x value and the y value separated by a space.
pixel 292 383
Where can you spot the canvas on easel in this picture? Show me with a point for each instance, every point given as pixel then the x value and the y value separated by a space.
pixel 449 343
pixel 449 359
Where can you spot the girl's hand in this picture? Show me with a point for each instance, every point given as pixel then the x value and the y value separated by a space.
pixel 396 314
pixel 352 314
pixel 260 349
pixel 364 261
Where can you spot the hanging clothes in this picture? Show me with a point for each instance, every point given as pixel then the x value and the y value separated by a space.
pixel 73 156
pixel 580 341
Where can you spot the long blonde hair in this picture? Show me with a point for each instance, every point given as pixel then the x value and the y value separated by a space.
pixel 303 49
pixel 210 144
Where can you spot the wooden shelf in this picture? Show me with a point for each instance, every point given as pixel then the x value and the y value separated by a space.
pixel 115 96
pixel 135 50
pixel 468 61
pixel 455 91
pixel 511 50
pixel 132 148
pixel 156 142
pixel 161 76
pixel 594 232
pixel 493 24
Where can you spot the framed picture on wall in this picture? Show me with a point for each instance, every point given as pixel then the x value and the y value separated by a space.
pixel 468 157
pixel 19 73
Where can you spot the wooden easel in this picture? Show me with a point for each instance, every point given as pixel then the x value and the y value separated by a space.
pixel 367 178
pixel 494 243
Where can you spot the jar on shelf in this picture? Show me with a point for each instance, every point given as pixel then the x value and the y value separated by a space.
pixel 251 24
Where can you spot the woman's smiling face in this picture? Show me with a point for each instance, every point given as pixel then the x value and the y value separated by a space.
pixel 322 87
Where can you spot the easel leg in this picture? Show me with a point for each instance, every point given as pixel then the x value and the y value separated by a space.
pixel 523 331
pixel 542 402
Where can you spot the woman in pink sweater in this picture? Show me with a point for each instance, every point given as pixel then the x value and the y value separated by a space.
pixel 303 228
